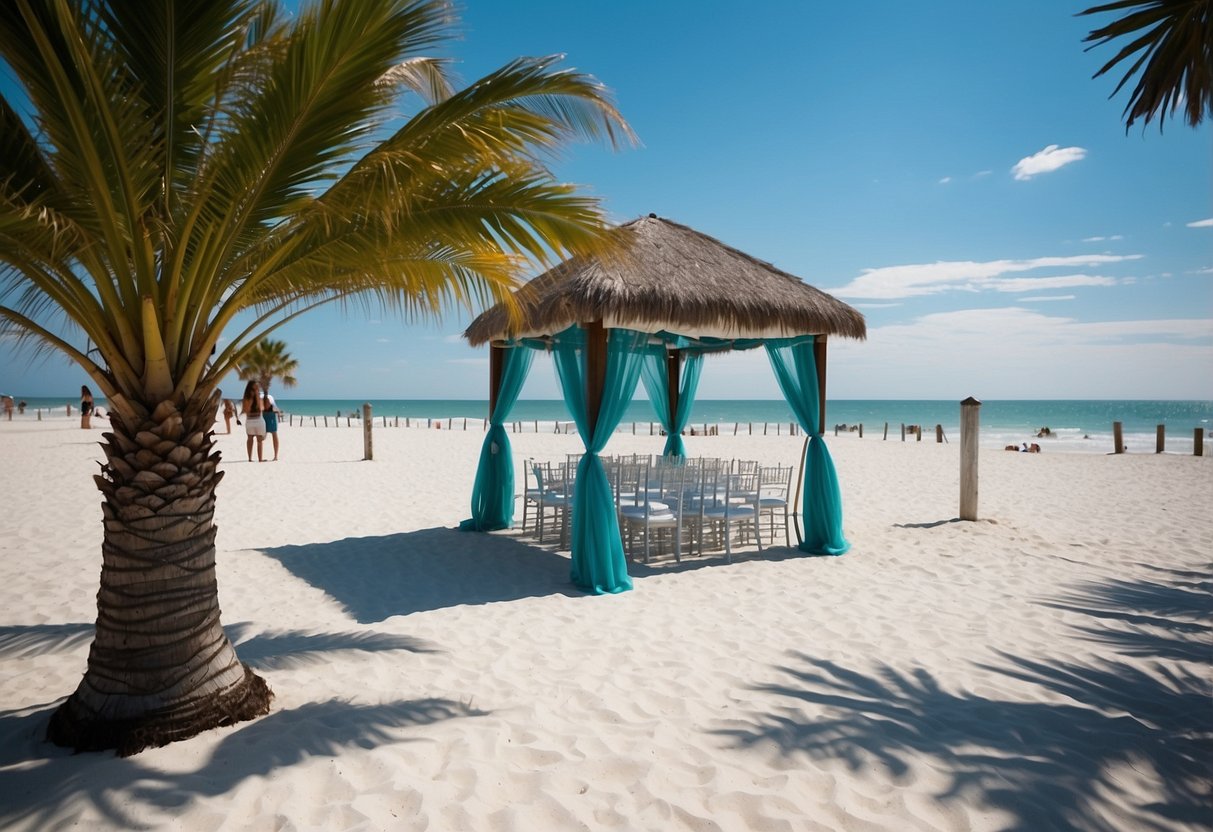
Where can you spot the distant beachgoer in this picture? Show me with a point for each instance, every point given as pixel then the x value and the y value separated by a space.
pixel 229 410
pixel 86 407
pixel 269 412
pixel 21 405
pixel 254 425
pixel 8 407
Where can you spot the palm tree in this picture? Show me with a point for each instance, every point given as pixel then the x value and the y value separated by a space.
pixel 172 170
pixel 1175 39
pixel 266 361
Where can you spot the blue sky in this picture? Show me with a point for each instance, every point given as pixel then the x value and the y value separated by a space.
pixel 949 168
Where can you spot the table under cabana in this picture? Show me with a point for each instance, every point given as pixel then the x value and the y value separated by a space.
pixel 651 312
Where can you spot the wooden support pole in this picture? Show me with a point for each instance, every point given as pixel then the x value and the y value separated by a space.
pixel 819 358
pixel 1198 442
pixel 496 368
pixel 903 431
pixel 595 371
pixel 970 422
pixel 1160 442
pixel 673 367
pixel 939 434
pixel 1118 438
pixel 886 431
pixel 861 430
pixel 367 425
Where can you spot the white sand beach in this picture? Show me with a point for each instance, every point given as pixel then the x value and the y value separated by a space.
pixel 1046 667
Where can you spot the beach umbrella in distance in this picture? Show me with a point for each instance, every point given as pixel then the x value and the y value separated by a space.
pixel 1170 43
pixel 172 171
pixel 266 361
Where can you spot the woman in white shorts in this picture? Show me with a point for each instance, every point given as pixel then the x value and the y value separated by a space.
pixel 254 423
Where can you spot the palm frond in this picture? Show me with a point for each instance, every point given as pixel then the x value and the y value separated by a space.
pixel 1173 45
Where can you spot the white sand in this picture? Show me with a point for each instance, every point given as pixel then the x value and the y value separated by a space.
pixel 1044 668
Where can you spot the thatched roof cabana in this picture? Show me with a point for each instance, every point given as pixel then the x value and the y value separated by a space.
pixel 673 278
pixel 669 295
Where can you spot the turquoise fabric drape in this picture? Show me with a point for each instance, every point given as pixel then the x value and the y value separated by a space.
pixel 656 374
pixel 821 505
pixel 493 491
pixel 598 562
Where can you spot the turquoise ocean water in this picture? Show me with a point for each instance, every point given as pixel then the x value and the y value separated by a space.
pixel 1002 422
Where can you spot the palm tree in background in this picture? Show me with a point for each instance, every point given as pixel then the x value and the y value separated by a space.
pixel 171 172
pixel 266 361
pixel 1175 42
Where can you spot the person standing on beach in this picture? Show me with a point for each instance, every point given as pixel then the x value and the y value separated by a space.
pixel 229 410
pixel 269 412
pixel 254 425
pixel 86 407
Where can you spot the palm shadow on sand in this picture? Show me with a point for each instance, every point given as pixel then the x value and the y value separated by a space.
pixel 42 784
pixel 375 578
pixel 57 786
pixel 1042 762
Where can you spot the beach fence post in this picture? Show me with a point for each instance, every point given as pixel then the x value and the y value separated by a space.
pixel 886 432
pixel 1118 438
pixel 903 431
pixel 970 421
pixel 1198 442
pixel 939 434
pixel 367 450
pixel 1160 442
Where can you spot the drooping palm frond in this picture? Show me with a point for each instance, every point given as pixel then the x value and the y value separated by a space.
pixel 178 166
pixel 1172 54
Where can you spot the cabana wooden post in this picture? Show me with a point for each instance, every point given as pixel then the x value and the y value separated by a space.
pixel 696 295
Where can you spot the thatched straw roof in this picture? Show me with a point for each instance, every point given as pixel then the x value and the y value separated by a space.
pixel 672 278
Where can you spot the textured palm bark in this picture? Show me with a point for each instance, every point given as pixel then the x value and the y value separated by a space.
pixel 161 667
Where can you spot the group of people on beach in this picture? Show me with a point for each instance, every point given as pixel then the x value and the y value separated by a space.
pixel 260 413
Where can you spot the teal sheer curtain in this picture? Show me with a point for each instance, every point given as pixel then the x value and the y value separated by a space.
pixel 821 506
pixel 656 374
pixel 493 491
pixel 598 562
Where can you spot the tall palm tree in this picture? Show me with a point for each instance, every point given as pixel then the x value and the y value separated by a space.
pixel 1175 42
pixel 172 170
pixel 266 361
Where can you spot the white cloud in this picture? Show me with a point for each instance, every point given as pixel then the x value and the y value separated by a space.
pixel 1102 239
pixel 1050 159
pixel 982 173
pixel 471 362
pixel 1045 298
pixel 1202 223
pixel 945 180
pixel 920 279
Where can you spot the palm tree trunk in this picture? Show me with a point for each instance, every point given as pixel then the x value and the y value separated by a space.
pixel 161 667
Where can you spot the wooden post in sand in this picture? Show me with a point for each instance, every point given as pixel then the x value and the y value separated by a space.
pixel 1198 442
pixel 970 420
pixel 1160 443
pixel 367 451
pixel 1118 438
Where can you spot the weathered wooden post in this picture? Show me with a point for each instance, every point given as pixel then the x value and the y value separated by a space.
pixel 1118 438
pixel 861 430
pixel 970 420
pixel 885 438
pixel 903 431
pixel 367 450
pixel 1198 442
pixel 939 434
pixel 1160 443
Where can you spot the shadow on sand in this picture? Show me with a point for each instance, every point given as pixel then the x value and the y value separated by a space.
pixel 1051 763
pixel 43 784
pixel 55 786
pixel 375 578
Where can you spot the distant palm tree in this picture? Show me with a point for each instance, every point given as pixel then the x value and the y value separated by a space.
pixel 165 167
pixel 266 361
pixel 1175 39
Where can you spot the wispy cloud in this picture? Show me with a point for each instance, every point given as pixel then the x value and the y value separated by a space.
pixel 1045 298
pixel 1102 239
pixel 916 280
pixel 945 180
pixel 1202 223
pixel 1050 159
